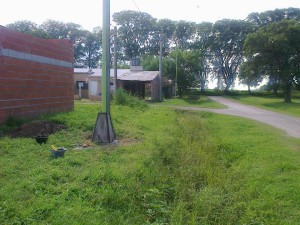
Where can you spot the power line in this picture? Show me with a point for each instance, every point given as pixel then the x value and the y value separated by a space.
pixel 133 1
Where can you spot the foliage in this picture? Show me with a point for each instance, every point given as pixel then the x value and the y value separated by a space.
pixel 203 45
pixel 271 16
pixel 168 168
pixel 123 98
pixel 184 34
pixel 184 66
pixel 227 48
pixel 135 30
pixel 91 49
pixel 249 75
pixel 278 54
pixel 28 27
pixel 150 63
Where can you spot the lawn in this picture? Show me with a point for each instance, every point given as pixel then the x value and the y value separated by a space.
pixel 168 167
pixel 271 102
pixel 195 101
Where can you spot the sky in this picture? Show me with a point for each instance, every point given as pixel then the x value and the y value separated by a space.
pixel 88 13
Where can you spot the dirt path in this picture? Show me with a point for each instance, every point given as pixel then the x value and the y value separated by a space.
pixel 290 124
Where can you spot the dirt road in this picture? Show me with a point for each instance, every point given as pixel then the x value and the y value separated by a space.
pixel 290 124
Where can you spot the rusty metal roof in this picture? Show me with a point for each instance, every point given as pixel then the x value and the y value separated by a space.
pixel 139 76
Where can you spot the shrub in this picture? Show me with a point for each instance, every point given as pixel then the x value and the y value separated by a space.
pixel 124 98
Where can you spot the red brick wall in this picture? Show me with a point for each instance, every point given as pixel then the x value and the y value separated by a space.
pixel 36 75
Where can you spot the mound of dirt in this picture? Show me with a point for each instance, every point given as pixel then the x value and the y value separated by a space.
pixel 36 128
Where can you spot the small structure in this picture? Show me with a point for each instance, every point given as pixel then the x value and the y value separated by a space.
pixel 143 84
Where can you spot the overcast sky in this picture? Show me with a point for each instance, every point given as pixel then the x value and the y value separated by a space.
pixel 88 13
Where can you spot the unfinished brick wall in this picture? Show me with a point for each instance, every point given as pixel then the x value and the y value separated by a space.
pixel 36 75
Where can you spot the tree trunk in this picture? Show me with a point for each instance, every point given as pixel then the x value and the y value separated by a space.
pixel 226 90
pixel 249 89
pixel 202 84
pixel 288 93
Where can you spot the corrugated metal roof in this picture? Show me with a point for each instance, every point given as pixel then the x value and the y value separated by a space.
pixel 139 76
pixel 122 74
pixel 98 72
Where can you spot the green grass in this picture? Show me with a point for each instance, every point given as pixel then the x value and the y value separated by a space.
pixel 202 102
pixel 271 103
pixel 168 168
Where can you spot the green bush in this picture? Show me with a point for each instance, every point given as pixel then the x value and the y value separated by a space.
pixel 124 98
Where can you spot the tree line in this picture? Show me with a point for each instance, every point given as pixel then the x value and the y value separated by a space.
pixel 263 46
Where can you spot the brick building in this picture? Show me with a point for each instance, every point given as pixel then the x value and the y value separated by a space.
pixel 36 75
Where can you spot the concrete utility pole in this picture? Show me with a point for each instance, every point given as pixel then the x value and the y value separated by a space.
pixel 115 60
pixel 176 71
pixel 103 131
pixel 106 58
pixel 160 68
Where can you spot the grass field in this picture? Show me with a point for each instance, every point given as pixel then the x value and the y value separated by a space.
pixel 168 168
pixel 202 102
pixel 271 102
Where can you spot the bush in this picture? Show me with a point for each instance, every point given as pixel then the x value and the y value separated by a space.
pixel 123 98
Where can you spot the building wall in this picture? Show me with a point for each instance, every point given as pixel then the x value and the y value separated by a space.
pixel 36 75
pixel 155 89
pixel 81 78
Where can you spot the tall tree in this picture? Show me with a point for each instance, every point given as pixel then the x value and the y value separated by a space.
pixel 72 31
pixel 275 44
pixel 249 74
pixel 135 31
pixel 184 34
pixel 270 16
pixel 227 48
pixel 91 49
pixel 28 27
pixel 203 44
pixel 188 67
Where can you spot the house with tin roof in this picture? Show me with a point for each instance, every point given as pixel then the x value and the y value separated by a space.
pixel 140 83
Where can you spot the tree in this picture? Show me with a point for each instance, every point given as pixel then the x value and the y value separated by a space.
pixel 74 32
pixel 278 47
pixel 91 49
pixel 150 63
pixel 166 28
pixel 184 34
pixel 227 48
pixel 135 31
pixel 188 68
pixel 28 27
pixel 203 44
pixel 271 16
pixel 249 74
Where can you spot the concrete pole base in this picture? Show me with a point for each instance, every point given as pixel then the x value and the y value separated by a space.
pixel 103 131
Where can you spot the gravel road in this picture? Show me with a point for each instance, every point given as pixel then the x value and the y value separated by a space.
pixel 290 124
